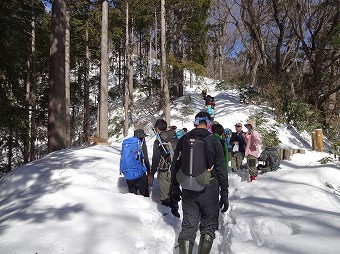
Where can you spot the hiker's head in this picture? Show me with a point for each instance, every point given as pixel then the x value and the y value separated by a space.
pixel 139 133
pixel 160 125
pixel 217 129
pixel 202 119
pixel 250 125
pixel 238 127
pixel 173 127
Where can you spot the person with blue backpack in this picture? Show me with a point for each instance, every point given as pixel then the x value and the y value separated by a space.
pixel 134 163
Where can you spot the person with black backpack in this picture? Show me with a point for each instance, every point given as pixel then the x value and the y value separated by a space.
pixel 134 163
pixel 218 132
pixel 163 151
pixel 200 169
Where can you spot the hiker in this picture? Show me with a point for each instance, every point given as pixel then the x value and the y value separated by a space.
pixel 218 132
pixel 252 151
pixel 135 163
pixel 173 127
pixel 211 112
pixel 161 162
pixel 227 136
pixel 209 100
pixel 238 147
pixel 204 94
pixel 199 167
pixel 181 132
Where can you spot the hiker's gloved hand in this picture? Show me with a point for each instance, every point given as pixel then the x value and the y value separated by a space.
pixel 224 202
pixel 176 193
pixel 150 179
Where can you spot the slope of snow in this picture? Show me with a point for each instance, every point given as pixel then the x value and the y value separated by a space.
pixel 75 201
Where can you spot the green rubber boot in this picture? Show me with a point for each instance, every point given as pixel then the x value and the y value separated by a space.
pixel 185 247
pixel 206 242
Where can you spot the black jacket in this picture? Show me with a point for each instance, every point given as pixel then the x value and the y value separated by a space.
pixel 215 157
pixel 146 157
pixel 241 142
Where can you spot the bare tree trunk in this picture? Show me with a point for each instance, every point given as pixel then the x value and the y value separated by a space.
pixel 150 64
pixel 67 78
pixel 25 132
pixel 130 73
pixel 126 99
pixel 150 54
pixel 57 97
pixel 164 66
pixel 220 47
pixel 220 60
pixel 190 79
pixel 86 123
pixel 10 148
pixel 33 96
pixel 254 63
pixel 156 37
pixel 120 67
pixel 103 99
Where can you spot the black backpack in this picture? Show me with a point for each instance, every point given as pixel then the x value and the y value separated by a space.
pixel 195 172
pixel 272 159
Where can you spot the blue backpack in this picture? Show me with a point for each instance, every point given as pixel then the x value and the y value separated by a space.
pixel 131 160
pixel 228 133
pixel 179 134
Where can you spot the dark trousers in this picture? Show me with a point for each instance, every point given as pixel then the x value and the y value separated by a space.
pixel 200 209
pixel 140 184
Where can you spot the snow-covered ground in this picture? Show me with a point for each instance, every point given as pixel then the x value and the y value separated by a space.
pixel 75 201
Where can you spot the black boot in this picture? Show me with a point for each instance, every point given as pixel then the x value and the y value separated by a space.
pixel 185 247
pixel 206 242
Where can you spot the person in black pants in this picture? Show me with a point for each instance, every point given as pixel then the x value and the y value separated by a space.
pixel 201 208
pixel 141 184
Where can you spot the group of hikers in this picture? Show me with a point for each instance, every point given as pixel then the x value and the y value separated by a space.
pixel 193 167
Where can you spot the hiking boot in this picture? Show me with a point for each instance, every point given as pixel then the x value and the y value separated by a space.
pixel 252 178
pixel 205 244
pixel 185 247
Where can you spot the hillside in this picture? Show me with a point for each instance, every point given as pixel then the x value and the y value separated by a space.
pixel 75 201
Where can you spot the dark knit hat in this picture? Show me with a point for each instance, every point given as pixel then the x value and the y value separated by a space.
pixel 139 133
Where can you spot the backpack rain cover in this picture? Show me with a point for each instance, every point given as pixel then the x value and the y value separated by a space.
pixel 131 165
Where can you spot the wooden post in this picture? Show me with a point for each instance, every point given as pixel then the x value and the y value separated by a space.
pixel 281 154
pixel 313 140
pixel 286 154
pixel 302 151
pixel 319 143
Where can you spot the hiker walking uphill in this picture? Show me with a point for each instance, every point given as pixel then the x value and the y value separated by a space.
pixel 199 167
pixel 252 151
pixel 134 163
pixel 163 150
pixel 238 147
pixel 218 131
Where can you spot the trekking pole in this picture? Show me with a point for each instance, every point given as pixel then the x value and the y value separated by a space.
pixel 158 137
